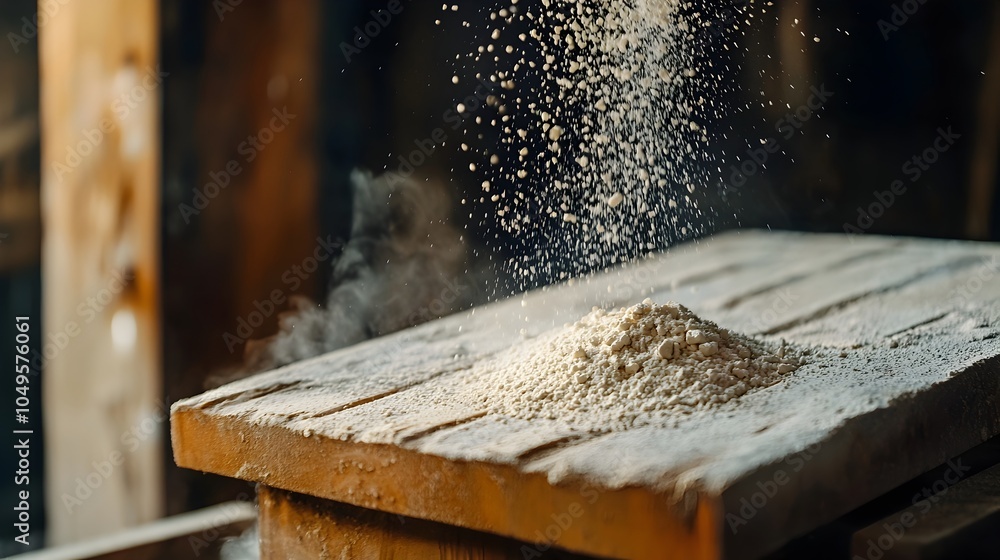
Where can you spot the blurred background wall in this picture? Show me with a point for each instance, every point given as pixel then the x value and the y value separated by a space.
pixel 260 101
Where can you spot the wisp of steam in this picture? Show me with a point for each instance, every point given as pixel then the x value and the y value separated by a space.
pixel 403 265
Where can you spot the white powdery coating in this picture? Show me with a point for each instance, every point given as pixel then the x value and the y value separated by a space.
pixel 635 366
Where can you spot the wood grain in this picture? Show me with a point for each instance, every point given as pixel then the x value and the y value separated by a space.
pixel 383 425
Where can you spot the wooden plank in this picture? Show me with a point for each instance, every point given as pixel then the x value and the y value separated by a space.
pixel 187 536
pixel 796 263
pixel 485 496
pixel 905 407
pixel 894 314
pixel 818 294
pixel 101 206
pixel 297 526
pixel 956 519
pixel 498 439
pixel 786 260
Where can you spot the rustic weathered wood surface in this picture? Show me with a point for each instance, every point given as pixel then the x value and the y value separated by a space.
pixel 919 383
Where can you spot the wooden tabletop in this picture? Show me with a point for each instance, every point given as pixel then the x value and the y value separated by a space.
pixel 373 425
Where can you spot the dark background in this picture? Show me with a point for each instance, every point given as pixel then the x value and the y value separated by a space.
pixel 940 69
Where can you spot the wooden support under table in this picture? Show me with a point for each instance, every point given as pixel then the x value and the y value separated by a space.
pixel 298 526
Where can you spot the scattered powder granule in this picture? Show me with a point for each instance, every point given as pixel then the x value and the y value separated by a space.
pixel 630 367
pixel 613 101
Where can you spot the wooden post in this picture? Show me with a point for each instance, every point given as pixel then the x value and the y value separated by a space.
pixel 984 170
pixel 19 211
pixel 224 259
pixel 104 417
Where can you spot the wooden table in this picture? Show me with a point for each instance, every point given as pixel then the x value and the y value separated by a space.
pixel 918 384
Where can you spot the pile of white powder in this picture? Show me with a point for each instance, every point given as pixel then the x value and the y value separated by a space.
pixel 630 367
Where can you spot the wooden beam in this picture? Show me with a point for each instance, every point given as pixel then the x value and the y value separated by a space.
pixel 230 256
pixel 984 176
pixel 952 518
pixel 197 534
pixel 258 120
pixel 298 526
pixel 100 115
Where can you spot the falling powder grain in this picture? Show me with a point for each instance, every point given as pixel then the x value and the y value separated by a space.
pixel 620 89
pixel 641 365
